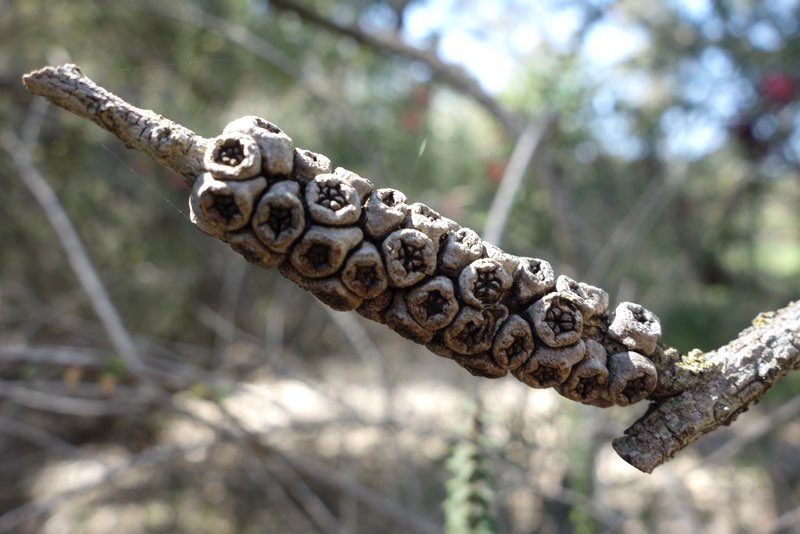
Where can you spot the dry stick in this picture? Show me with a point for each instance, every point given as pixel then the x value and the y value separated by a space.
pixel 172 145
pixel 521 158
pixel 697 393
pixel 11 520
pixel 309 500
pixel 370 354
pixel 74 249
pixel 783 522
pixel 733 377
pixel 240 35
pixel 51 355
pixel 766 423
pixel 126 400
pixel 636 224
pixel 46 440
pixel 449 73
pixel 231 428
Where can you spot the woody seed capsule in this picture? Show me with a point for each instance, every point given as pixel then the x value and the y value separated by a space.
pixel 219 206
pixel 308 164
pixel 384 211
pixel 322 251
pixel 410 257
pixel 332 201
pixel 550 366
pixel 591 300
pixel 635 327
pixel 277 153
pixel 483 281
pixel 589 378
pixel 233 156
pixel 631 377
pixel 556 319
pixel 279 219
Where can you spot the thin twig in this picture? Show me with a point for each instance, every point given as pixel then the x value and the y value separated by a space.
pixel 167 142
pixel 451 74
pixel 728 380
pixel 637 221
pixel 73 247
pixel 411 520
pixel 51 355
pixel 153 457
pixel 46 397
pixel 503 200
pixel 783 522
pixel 314 506
pixel 46 440
pixel 763 425
pixel 366 349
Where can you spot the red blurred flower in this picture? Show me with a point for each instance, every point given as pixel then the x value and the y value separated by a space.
pixel 421 96
pixel 495 169
pixel 412 121
pixel 778 88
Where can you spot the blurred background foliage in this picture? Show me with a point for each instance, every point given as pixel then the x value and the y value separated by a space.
pixel 669 175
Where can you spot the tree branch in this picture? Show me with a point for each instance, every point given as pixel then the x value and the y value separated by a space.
pixel 524 150
pixel 728 381
pixel 169 143
pixel 694 393
pixel 451 74
pixel 75 251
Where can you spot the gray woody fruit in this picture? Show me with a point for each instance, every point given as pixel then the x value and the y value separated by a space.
pixel 384 212
pixel 532 279
pixel 429 222
pixel 308 164
pixel 433 303
pixel 484 281
pixel 635 327
pixel 592 300
pixel 363 186
pixel 549 366
pixel 219 206
pixel 482 364
pixel 279 218
pixel 363 273
pixel 459 249
pixel 245 243
pixel 509 261
pixel 631 377
pixel 400 320
pixel 277 154
pixel 322 251
pixel 410 257
pixel 588 381
pixel 332 292
pixel 233 156
pixel 556 319
pixel 473 330
pixel 513 344
pixel 332 201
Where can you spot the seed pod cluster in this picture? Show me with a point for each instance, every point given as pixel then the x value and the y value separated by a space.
pixel 358 247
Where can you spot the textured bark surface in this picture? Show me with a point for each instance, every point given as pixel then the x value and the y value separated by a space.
pixel 693 395
pixel 171 144
pixel 726 382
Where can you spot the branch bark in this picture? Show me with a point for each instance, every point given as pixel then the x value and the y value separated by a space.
pixel 727 381
pixel 696 392
pixel 167 142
